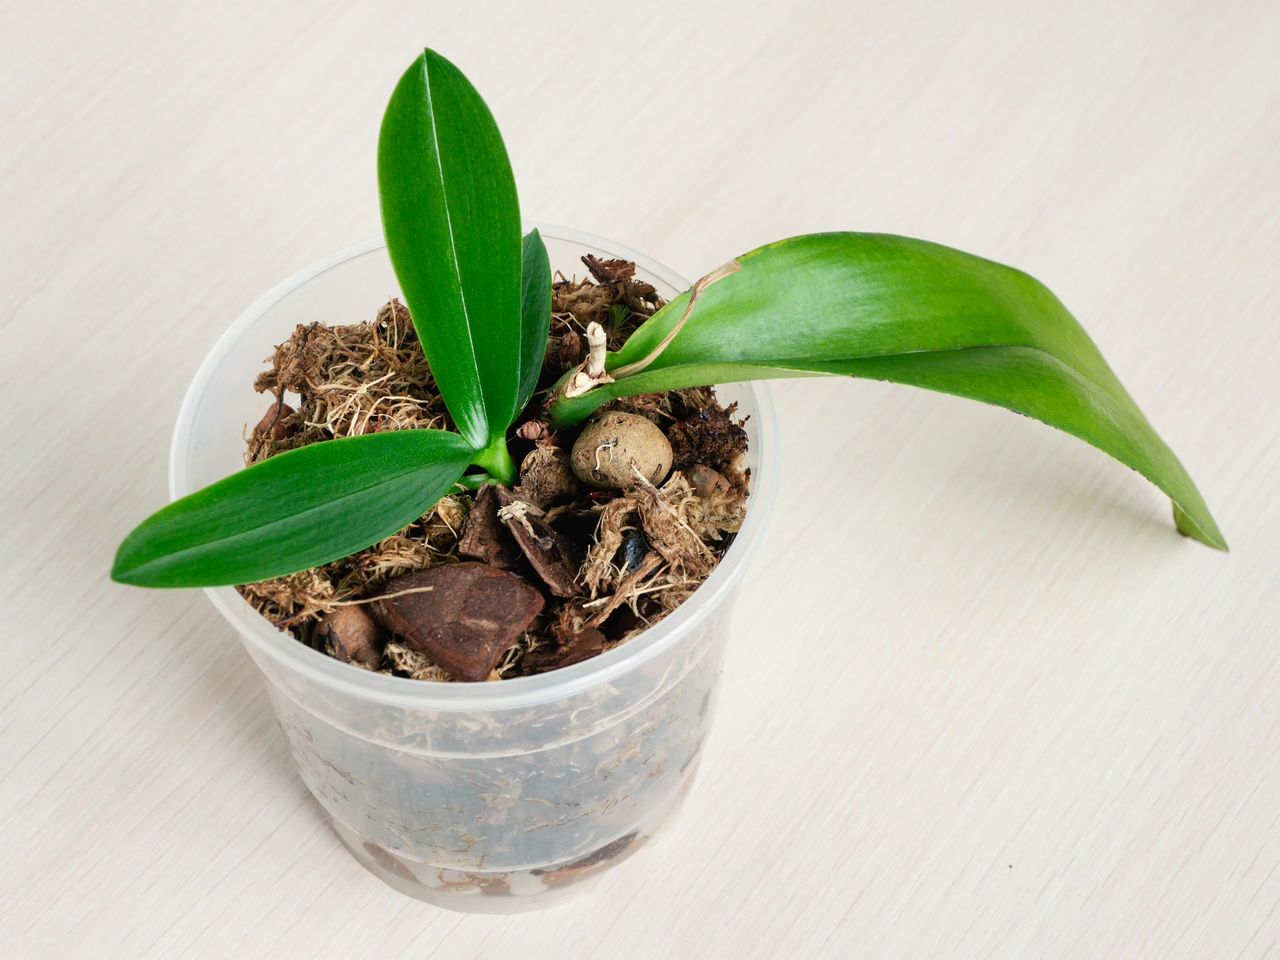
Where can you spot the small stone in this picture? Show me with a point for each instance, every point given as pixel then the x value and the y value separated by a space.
pixel 349 634
pixel 614 446
pixel 464 617
pixel 545 476
pixel 633 550
pixel 548 551
pixel 706 481
pixel 484 538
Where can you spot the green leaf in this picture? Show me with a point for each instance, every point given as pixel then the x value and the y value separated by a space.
pixel 452 225
pixel 535 314
pixel 295 510
pixel 907 311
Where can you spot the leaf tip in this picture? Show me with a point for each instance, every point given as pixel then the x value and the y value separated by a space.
pixel 124 570
pixel 1205 532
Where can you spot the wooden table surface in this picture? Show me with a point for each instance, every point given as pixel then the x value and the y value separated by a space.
pixel 982 701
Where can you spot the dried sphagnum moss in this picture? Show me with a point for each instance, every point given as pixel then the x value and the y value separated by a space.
pixel 351 380
pixel 365 377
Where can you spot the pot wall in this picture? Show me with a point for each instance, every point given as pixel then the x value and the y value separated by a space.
pixel 496 796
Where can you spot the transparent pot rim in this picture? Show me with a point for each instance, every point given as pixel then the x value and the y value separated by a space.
pixel 519 692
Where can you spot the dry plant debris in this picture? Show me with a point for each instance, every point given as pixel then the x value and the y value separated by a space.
pixel 602 564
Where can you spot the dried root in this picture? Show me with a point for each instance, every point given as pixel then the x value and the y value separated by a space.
pixel 616 518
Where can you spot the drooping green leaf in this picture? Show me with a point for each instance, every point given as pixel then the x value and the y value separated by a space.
pixel 535 313
pixel 907 311
pixel 452 225
pixel 295 510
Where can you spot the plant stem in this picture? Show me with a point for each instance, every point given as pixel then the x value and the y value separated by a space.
pixel 496 460
pixel 474 481
pixel 564 411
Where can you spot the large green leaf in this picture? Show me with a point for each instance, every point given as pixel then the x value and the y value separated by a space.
pixel 907 311
pixel 452 225
pixel 535 314
pixel 295 510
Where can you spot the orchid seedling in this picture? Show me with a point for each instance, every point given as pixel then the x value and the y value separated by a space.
pixel 836 304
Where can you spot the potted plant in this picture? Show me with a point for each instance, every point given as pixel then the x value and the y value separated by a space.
pixel 515 793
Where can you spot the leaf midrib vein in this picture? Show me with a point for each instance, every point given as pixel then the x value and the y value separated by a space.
pixel 453 245
pixel 204 545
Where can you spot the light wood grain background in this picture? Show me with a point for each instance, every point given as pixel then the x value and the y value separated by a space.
pixel 982 701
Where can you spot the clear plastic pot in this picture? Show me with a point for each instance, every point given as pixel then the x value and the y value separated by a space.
pixel 492 797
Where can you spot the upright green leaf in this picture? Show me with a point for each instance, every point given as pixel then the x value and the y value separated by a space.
pixel 907 311
pixel 535 314
pixel 452 225
pixel 295 510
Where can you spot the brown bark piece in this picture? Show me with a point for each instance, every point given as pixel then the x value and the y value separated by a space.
pixel 588 642
pixel 548 551
pixel 464 616
pixel 577 642
pixel 275 422
pixel 349 634
pixel 484 538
